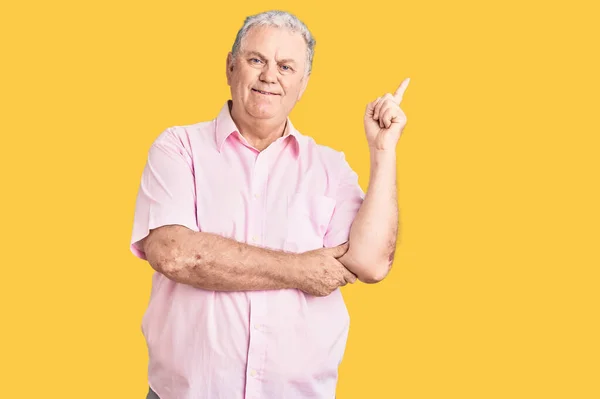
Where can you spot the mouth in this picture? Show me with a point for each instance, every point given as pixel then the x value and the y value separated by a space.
pixel 266 93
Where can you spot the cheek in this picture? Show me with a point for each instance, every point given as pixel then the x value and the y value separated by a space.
pixel 291 89
pixel 241 78
pixel 242 90
pixel 293 93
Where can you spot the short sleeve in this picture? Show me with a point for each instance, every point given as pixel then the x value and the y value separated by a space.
pixel 166 193
pixel 348 199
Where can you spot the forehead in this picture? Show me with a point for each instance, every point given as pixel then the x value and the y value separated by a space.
pixel 275 42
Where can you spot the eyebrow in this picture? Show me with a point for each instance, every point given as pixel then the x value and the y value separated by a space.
pixel 285 61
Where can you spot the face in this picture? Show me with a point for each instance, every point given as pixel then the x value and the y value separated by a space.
pixel 268 76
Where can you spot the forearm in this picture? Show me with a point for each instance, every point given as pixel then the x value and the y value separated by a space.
pixel 213 262
pixel 375 228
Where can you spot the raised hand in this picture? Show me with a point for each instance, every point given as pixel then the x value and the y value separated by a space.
pixel 385 120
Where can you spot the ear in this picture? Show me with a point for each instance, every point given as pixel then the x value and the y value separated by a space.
pixel 229 68
pixel 304 85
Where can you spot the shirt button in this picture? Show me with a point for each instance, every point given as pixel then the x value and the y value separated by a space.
pixel 254 239
pixel 257 196
pixel 253 373
pixel 258 327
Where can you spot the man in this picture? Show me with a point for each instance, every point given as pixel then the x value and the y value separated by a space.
pixel 252 228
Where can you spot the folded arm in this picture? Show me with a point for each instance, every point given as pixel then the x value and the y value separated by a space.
pixel 213 262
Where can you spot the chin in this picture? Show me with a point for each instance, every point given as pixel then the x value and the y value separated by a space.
pixel 262 111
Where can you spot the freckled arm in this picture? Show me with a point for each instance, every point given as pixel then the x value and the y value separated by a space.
pixel 213 262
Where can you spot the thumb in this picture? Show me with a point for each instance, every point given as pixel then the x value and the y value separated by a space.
pixel 340 250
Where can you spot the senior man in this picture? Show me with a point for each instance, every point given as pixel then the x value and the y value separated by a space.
pixel 252 228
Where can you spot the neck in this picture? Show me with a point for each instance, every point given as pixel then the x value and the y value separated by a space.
pixel 259 133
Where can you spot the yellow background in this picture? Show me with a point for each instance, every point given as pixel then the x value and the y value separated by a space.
pixel 494 293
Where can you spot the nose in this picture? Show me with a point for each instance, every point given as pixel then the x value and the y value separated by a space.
pixel 269 73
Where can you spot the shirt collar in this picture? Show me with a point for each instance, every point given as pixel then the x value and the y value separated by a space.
pixel 225 126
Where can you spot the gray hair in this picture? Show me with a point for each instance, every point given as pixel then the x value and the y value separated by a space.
pixel 278 19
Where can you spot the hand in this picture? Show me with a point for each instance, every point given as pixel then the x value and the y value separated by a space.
pixel 321 272
pixel 385 120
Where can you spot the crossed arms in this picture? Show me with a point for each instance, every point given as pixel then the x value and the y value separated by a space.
pixel 212 262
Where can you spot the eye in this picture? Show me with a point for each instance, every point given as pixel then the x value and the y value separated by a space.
pixel 255 60
pixel 286 68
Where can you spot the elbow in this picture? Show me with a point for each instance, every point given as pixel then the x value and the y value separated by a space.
pixel 375 273
pixel 372 271
pixel 165 252
pixel 166 266
pixel 369 269
pixel 162 262
pixel 378 269
pixel 160 254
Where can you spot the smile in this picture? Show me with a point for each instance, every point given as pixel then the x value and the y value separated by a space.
pixel 265 92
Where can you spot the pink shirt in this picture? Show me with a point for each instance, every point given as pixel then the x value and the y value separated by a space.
pixel 296 196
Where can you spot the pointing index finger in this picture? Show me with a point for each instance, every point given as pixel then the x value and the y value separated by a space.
pixel 400 90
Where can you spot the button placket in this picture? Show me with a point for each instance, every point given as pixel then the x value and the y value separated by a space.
pixel 257 187
pixel 258 340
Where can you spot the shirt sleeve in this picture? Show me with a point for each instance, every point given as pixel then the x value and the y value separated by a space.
pixel 348 199
pixel 166 194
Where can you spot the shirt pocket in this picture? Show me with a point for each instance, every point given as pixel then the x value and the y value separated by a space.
pixel 308 216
